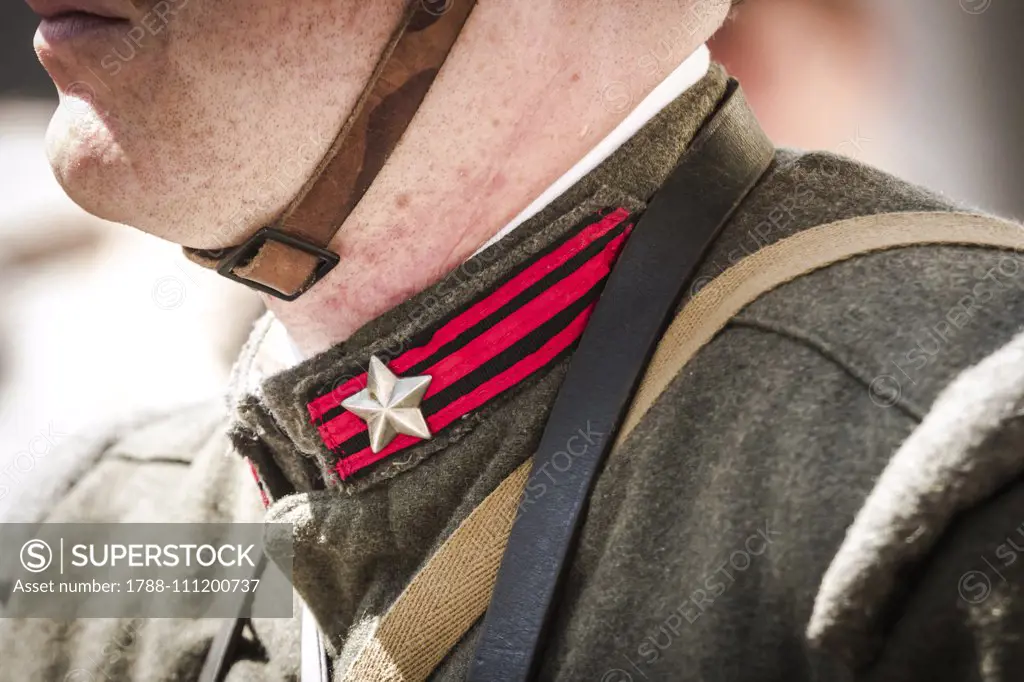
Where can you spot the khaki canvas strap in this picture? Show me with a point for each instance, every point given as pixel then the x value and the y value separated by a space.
pixel 453 589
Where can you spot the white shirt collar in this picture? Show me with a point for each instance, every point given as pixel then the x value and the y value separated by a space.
pixel 679 81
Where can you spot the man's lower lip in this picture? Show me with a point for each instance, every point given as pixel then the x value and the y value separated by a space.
pixel 74 25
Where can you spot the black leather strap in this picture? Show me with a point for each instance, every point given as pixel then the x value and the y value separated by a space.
pixel 716 173
pixel 222 649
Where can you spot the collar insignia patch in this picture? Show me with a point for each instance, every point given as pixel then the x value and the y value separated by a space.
pixel 523 326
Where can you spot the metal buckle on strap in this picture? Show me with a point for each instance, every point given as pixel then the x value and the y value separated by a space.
pixel 244 253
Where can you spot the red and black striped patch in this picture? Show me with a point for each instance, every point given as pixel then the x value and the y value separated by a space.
pixel 524 325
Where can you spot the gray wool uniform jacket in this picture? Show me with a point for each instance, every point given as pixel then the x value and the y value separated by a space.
pixel 716 545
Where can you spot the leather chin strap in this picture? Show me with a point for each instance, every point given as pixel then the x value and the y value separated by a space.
pixel 286 259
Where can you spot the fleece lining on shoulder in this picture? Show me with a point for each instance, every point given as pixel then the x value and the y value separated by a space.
pixel 967 447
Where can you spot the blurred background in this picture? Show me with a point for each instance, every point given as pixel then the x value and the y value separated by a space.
pixel 928 89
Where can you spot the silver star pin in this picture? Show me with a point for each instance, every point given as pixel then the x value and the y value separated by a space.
pixel 389 405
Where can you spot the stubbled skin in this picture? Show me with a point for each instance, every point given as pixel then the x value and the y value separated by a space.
pixel 207 123
pixel 201 125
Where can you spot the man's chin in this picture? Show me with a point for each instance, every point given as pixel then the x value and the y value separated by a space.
pixel 86 160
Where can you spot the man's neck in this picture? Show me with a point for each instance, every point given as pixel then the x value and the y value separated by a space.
pixel 500 132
